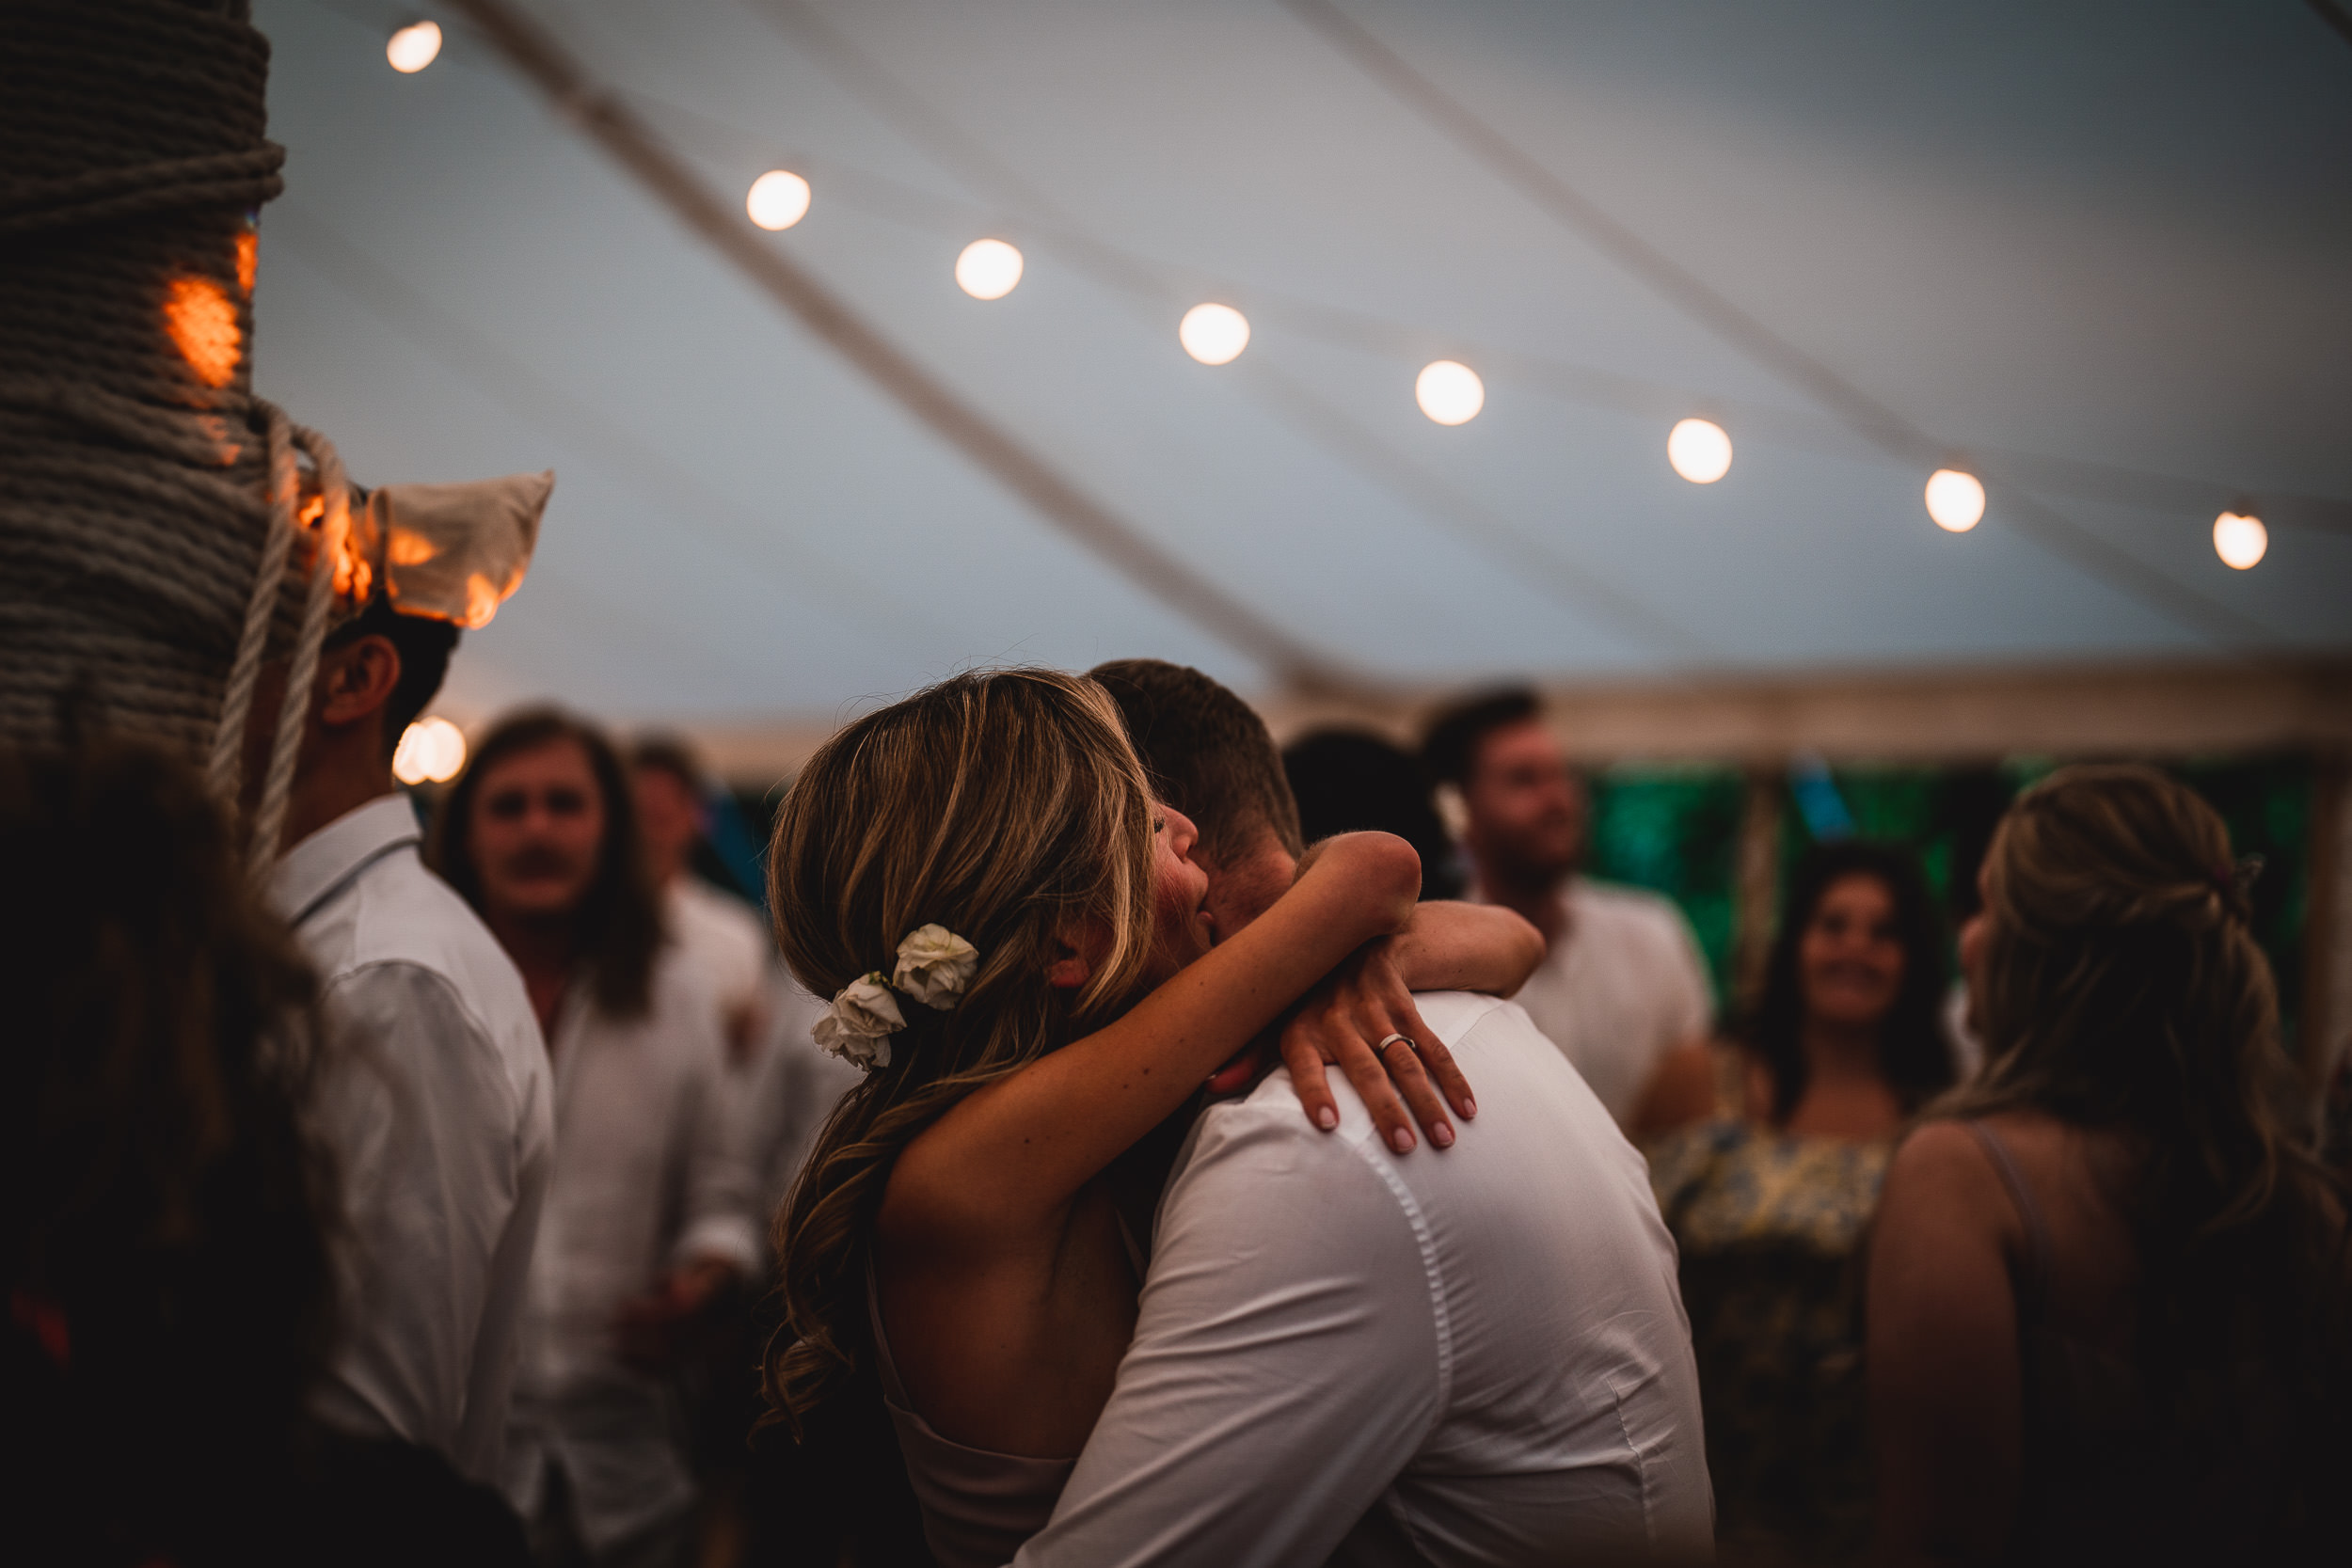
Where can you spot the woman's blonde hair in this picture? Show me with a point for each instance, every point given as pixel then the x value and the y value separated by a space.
pixel 1006 806
pixel 2121 988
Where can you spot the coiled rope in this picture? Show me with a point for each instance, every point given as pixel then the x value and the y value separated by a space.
pixel 148 502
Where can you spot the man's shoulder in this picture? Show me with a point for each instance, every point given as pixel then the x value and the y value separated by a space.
pixel 404 921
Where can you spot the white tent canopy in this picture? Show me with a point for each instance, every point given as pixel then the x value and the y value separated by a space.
pixel 2095 254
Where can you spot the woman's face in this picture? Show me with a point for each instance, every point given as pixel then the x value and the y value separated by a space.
pixel 1851 959
pixel 1181 929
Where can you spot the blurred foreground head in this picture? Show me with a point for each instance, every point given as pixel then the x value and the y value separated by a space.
pixel 167 1273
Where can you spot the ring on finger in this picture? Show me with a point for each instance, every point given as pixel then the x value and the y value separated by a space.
pixel 1381 1050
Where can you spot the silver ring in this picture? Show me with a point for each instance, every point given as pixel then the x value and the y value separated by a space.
pixel 1381 1050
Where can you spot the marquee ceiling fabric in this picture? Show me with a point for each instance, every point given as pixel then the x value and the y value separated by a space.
pixel 2095 253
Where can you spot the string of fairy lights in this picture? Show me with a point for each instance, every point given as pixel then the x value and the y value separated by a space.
pixel 1448 391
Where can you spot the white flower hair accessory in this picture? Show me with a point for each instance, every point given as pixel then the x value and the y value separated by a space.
pixel 864 1015
pixel 934 966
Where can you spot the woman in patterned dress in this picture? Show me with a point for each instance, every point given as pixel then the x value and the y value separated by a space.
pixel 1769 1201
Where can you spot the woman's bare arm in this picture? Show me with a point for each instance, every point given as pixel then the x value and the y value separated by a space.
pixel 1009 1158
pixel 1946 1391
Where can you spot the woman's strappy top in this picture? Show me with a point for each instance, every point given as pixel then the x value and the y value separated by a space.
pixel 2110 1473
pixel 978 1507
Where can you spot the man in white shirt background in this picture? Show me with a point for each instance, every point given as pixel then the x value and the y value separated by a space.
pixel 1469 1355
pixel 721 932
pixel 1623 984
pixel 433 1099
pixel 649 1218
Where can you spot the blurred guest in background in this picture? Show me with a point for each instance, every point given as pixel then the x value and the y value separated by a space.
pixel 721 934
pixel 2110 1300
pixel 1349 780
pixel 434 1094
pixel 1770 1204
pixel 1623 984
pixel 165 1221
pixel 648 1216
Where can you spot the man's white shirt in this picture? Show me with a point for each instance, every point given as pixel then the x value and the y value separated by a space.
pixel 436 1102
pixel 1469 1356
pixel 1623 986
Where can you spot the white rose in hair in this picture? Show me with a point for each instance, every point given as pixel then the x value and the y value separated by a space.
pixel 864 1015
pixel 935 965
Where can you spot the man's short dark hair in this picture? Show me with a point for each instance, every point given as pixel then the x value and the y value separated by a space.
pixel 1448 748
pixel 667 753
pixel 424 644
pixel 1208 753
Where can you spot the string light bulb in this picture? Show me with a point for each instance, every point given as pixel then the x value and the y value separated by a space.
pixel 1699 451
pixel 431 750
pixel 1955 501
pixel 414 47
pixel 988 269
pixel 1214 334
pixel 1449 392
pixel 2240 540
pixel 778 200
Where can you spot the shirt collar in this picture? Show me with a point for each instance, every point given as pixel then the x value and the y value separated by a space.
pixel 316 868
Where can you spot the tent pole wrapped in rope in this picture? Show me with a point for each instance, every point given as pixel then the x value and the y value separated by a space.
pixel 148 499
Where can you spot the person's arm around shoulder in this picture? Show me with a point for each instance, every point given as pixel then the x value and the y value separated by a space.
pixel 1004 1164
pixel 1285 1365
pixel 1946 1391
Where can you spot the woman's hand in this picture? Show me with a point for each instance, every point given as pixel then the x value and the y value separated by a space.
pixel 1342 1020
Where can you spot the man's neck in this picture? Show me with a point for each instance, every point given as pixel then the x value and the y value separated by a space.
pixel 545 952
pixel 331 781
pixel 1535 899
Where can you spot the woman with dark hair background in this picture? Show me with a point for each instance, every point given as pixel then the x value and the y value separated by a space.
pixel 1770 1206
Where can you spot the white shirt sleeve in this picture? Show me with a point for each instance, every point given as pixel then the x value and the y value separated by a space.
pixel 1289 1358
pixel 414 1102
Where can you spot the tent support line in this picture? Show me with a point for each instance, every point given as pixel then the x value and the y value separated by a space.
pixel 536 55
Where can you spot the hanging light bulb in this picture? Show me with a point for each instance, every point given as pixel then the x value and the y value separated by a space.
pixel 778 200
pixel 988 269
pixel 2240 540
pixel 1955 501
pixel 430 751
pixel 1699 451
pixel 414 47
pixel 1450 393
pixel 1214 334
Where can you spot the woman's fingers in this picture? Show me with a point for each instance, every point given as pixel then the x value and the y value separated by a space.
pixel 1438 1062
pixel 1304 1056
pixel 1403 1062
pixel 1373 1086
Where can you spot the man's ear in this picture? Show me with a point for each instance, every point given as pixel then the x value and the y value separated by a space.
pixel 1078 948
pixel 356 681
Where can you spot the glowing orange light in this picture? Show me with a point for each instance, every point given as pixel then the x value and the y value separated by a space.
pixel 481 601
pixel 203 326
pixel 407 548
pixel 249 259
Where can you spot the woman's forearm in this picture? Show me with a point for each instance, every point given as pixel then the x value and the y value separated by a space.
pixel 1480 947
pixel 1012 1154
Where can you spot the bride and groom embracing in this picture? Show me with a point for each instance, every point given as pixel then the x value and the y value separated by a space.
pixel 1118 1317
